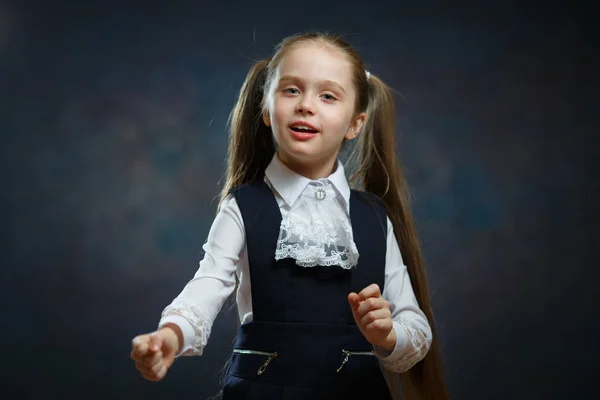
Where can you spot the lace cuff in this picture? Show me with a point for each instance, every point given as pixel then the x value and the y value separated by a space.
pixel 195 315
pixel 413 345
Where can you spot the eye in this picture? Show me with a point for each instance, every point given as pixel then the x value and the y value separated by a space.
pixel 290 91
pixel 329 96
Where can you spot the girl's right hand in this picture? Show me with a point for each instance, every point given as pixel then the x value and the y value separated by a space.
pixel 155 352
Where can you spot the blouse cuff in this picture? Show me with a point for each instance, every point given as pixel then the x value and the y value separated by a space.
pixel 187 331
pixel 402 341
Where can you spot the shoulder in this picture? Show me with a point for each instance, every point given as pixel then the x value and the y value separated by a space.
pixel 367 202
pixel 228 218
pixel 228 202
pixel 247 188
pixel 370 199
pixel 229 207
pixel 253 197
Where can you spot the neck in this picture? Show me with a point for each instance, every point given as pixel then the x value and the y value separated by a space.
pixel 313 170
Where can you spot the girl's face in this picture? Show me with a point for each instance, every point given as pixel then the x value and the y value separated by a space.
pixel 310 106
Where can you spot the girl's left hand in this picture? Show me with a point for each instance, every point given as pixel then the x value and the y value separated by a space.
pixel 373 317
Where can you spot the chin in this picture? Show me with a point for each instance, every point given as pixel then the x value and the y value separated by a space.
pixel 294 156
pixel 301 151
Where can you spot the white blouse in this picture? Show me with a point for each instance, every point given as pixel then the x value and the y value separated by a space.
pixel 196 307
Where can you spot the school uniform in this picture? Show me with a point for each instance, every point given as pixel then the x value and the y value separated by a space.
pixel 301 314
pixel 298 248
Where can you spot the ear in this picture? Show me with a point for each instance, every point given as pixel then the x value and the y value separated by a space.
pixel 266 118
pixel 355 126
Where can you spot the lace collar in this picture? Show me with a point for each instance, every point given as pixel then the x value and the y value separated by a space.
pixel 317 229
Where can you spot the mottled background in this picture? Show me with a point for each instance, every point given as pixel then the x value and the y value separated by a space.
pixel 113 137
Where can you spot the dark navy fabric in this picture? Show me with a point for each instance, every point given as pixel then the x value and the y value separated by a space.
pixel 302 313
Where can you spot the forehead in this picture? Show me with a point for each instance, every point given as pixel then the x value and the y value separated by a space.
pixel 315 61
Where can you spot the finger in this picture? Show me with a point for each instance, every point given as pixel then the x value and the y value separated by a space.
pixel 157 367
pixel 143 367
pixel 150 358
pixel 354 300
pixel 372 303
pixel 155 374
pixel 374 315
pixel 370 291
pixel 150 377
pixel 161 372
pixel 381 325
pixel 149 369
pixel 154 359
pixel 140 346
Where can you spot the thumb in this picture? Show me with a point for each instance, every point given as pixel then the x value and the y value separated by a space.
pixel 156 342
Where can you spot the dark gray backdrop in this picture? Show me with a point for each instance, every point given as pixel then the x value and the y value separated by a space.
pixel 113 139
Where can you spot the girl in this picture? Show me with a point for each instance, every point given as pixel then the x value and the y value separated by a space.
pixel 329 281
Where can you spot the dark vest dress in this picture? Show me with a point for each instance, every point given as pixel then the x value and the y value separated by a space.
pixel 303 342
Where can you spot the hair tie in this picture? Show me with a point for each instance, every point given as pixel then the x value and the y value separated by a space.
pixel 368 74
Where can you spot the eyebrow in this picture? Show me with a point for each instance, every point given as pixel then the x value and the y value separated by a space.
pixel 326 81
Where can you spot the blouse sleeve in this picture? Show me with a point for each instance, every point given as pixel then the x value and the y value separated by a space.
pixel 413 331
pixel 196 307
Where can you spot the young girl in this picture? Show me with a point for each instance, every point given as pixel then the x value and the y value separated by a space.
pixel 329 281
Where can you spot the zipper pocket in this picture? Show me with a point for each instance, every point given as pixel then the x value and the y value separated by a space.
pixel 347 355
pixel 271 357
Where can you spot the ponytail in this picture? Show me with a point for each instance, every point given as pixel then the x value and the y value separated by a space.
pixel 380 173
pixel 251 146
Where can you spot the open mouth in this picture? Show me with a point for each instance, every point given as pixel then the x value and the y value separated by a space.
pixel 302 127
pixel 302 130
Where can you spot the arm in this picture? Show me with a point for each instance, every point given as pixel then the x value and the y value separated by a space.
pixel 412 331
pixel 194 310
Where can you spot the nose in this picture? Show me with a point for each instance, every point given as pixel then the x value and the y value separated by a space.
pixel 305 105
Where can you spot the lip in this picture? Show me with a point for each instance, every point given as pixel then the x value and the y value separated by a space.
pixel 302 136
pixel 305 124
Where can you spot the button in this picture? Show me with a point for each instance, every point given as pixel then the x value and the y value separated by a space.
pixel 320 194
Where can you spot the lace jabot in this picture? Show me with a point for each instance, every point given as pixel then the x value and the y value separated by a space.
pixel 317 230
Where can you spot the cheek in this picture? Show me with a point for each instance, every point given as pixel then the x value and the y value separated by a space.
pixel 278 110
pixel 338 123
pixel 278 120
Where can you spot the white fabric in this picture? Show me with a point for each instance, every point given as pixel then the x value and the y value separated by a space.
pixel 196 307
pixel 317 231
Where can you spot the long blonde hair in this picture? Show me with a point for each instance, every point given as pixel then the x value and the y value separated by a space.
pixel 251 148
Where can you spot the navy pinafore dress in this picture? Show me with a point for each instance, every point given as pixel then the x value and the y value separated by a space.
pixel 303 342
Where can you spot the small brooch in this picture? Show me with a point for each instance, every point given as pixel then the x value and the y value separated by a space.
pixel 320 193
